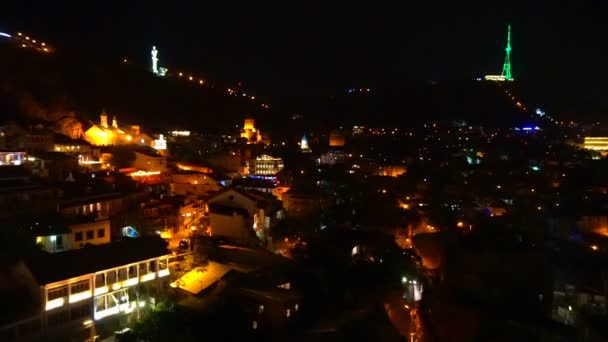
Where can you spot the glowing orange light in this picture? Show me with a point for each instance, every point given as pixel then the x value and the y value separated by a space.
pixel 144 173
pixel 460 224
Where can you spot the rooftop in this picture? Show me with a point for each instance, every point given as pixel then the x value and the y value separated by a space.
pixel 201 278
pixel 51 267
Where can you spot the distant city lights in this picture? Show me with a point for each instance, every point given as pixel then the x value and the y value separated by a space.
pixel 180 133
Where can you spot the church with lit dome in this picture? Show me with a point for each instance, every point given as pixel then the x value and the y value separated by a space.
pixel 104 134
pixel 250 133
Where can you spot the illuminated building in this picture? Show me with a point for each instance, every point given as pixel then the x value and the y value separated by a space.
pixel 154 60
pixel 192 182
pixel 180 133
pixel 80 288
pixel 250 133
pixel 12 158
pixel 336 138
pixel 266 165
pixel 357 130
pixel 506 67
pixel 304 145
pixel 104 135
pixel 242 215
pixel 160 144
pixel 332 157
pixel 391 170
pixel 68 236
pixel 150 162
pixel 87 156
pixel 599 144
pixel 102 206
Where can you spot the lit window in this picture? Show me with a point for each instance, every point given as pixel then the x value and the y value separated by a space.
pixel 57 293
pixel 80 286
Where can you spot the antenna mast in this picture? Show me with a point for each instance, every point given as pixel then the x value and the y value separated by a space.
pixel 506 67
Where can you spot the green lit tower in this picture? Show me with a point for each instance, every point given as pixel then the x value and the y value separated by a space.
pixel 506 68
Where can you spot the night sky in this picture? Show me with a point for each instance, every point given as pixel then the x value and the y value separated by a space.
pixel 317 47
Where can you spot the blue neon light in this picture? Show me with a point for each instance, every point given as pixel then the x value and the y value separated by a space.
pixel 5 35
pixel 527 128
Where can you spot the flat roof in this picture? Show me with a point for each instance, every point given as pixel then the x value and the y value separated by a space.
pixel 201 278
pixel 51 267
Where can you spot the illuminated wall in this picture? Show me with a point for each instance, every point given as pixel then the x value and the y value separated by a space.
pixel 391 170
pixel 95 233
pixel 150 163
pixel 100 137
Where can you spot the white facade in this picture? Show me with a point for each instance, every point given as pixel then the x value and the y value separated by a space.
pixel 73 306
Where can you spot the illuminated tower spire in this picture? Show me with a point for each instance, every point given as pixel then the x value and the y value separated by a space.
pixel 154 60
pixel 506 67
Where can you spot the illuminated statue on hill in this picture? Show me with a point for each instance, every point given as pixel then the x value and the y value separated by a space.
pixel 154 60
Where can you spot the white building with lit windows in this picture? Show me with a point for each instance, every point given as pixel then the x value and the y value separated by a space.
pixel 79 289
pixel 265 165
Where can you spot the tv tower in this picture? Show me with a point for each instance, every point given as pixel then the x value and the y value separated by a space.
pixel 506 67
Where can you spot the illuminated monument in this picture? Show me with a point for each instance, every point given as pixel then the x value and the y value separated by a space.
pixel 506 67
pixel 154 60
pixel 156 69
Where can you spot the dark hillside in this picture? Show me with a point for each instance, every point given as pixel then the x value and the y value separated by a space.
pixel 48 86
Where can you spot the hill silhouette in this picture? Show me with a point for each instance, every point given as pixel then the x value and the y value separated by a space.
pixel 483 103
pixel 39 86
pixel 80 83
